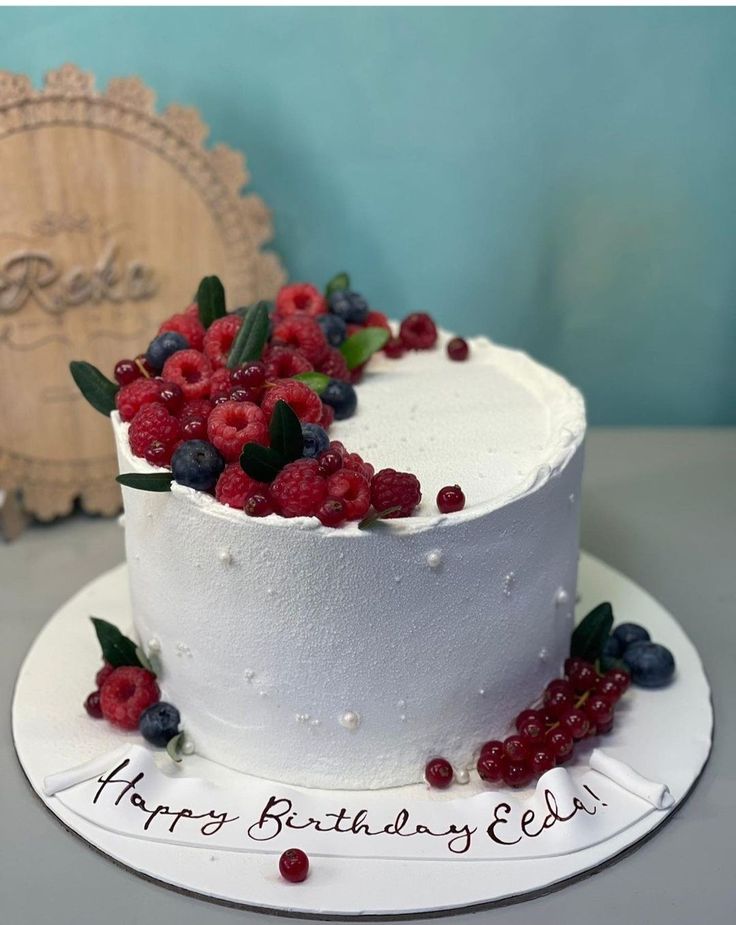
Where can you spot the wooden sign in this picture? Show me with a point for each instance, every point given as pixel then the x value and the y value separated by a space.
pixel 109 216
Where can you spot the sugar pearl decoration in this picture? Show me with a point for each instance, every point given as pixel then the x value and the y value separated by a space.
pixel 508 584
pixel 543 655
pixel 187 746
pixel 562 597
pixel 226 557
pixel 153 646
pixel 350 719
pixel 249 674
pixel 434 558
pixel 462 776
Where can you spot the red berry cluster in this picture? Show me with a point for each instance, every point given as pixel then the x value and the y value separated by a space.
pixel 121 695
pixel 573 708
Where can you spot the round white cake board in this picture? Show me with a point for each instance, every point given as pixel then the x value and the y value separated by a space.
pixel 61 736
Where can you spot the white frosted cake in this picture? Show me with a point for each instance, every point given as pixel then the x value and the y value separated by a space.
pixel 346 658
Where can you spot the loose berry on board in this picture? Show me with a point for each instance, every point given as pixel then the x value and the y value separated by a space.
pixel 341 397
pixel 490 768
pixel 191 371
pixel 299 489
pixel 599 709
pixel 126 371
pixel 516 748
pixel 541 759
pixel 629 633
pixel 561 743
pixel 581 674
pixel 438 773
pixel 458 349
pixel 219 339
pixel 92 705
pixel 301 333
pixel 187 325
pixel 418 332
pixel 294 865
pixel 304 402
pixel 493 747
pixel 353 489
pixel 650 663
pixel 350 306
pixel 450 499
pixel 126 694
pixel 620 678
pixel 394 348
pixel 159 723
pixel 233 424
pixel 332 512
pixel 235 486
pixel 163 346
pixel 530 724
pixel 197 464
pixel 259 505
pixel 315 440
pixel 300 299
pixel 559 696
pixel 390 488
pixel 333 328
pixel 576 722
pixel 250 375
pixel 517 773
pixel 284 362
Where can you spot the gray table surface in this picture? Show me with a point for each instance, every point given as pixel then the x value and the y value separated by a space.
pixel 660 505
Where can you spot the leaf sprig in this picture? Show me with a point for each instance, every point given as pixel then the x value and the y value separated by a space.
pixel 99 391
pixel 117 649
pixel 361 346
pixel 210 300
pixel 251 338
pixel 264 463
pixel 591 633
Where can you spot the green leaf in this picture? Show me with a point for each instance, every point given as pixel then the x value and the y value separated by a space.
pixel 174 747
pixel 117 649
pixel 361 346
pixel 317 382
pixel 146 481
pixel 373 518
pixel 337 283
pixel 251 338
pixel 261 462
pixel 244 309
pixel 210 300
pixel 286 432
pixel 99 391
pixel 591 633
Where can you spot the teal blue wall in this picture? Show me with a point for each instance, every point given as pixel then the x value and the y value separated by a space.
pixel 563 180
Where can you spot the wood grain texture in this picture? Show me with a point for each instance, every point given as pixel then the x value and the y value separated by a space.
pixel 109 215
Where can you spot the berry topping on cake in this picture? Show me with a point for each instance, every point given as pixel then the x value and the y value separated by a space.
pixel 353 489
pixel 305 403
pixel 92 705
pixel 197 464
pixel 103 674
pixel 333 328
pixel 438 773
pixel 315 440
pixel 450 499
pixel 332 512
pixel 650 663
pixel 163 346
pixel 392 489
pixel 330 461
pixel 153 424
pixel 250 375
pixel 294 865
pixel 259 505
pixel 300 299
pixel 221 385
pixel 188 325
pixel 131 398
pixel 159 723
pixel 350 306
pixel 283 362
pixel 191 371
pixel 303 334
pixel 341 397
pixel 235 487
pixel 126 694
pixel 418 332
pixel 458 349
pixel 394 348
pixel 127 371
pixel 233 424
pixel 333 364
pixel 377 320
pixel 219 339
pixel 299 489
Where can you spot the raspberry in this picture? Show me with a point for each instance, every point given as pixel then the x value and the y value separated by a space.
pixel 294 865
pixel 333 365
pixel 458 349
pixel 187 325
pixel 390 488
pixel 234 487
pixel 299 489
pixel 219 339
pixel 377 320
pixel 191 371
pixel 450 499
pixel 193 311
pixel 233 424
pixel 438 773
pixel 353 489
pixel 153 424
pixel 131 398
pixel 305 403
pixel 126 694
pixel 127 371
pixel 283 362
pixel 103 674
pixel 300 299
pixel 221 384
pixel 92 705
pixel 197 408
pixel 353 460
pixel 418 332
pixel 328 416
pixel 304 334
pixel 331 513
pixel 394 348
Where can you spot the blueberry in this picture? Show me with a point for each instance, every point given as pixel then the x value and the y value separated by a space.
pixel 334 329
pixel 650 664
pixel 197 464
pixel 159 723
pixel 315 439
pixel 162 346
pixel 611 653
pixel 341 397
pixel 350 306
pixel 628 633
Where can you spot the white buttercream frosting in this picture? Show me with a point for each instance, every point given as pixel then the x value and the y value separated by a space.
pixel 273 618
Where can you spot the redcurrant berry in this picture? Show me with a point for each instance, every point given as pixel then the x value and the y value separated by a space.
pixel 494 748
pixel 620 678
pixel 394 348
pixel 561 743
pixel 458 349
pixel 438 773
pixel 258 506
pixel 516 748
pixel 575 722
pixel 92 705
pixel 530 724
pixel 490 768
pixel 542 759
pixel 251 375
pixel 450 499
pixel 126 371
pixel 517 773
pixel 294 865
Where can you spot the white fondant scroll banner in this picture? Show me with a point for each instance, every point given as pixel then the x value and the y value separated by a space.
pixel 125 792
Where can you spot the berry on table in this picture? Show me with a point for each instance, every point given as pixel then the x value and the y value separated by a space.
pixel 418 332
pixel 353 489
pixel 300 299
pixel 629 633
pixel 294 865
pixel 333 328
pixel 390 488
pixel 490 768
pixel 232 424
pixel 651 664
pixel 458 349
pixel 394 348
pixel 284 362
pixel 191 371
pixel 302 333
pixel 187 325
pixel 126 371
pixel 332 512
pixel 259 505
pixel 197 464
pixel 299 489
pixel 219 339
pixel 126 694
pixel 159 723
pixel 438 773
pixel 576 722
pixel 92 705
pixel 163 346
pixel 350 306
pixel 304 402
pixel 341 397
pixel 235 487
pixel 450 499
